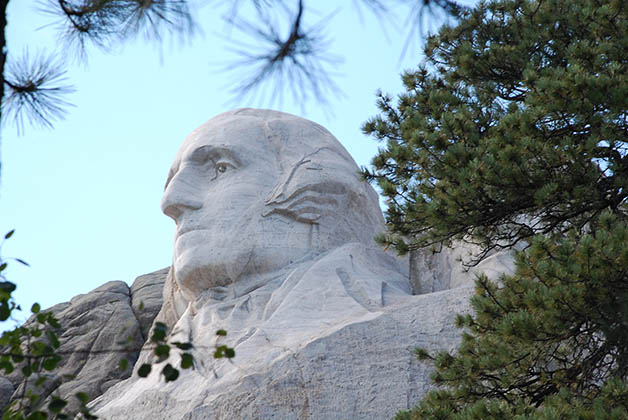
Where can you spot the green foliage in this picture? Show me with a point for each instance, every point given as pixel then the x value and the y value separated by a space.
pixel 33 348
pixel 187 361
pixel 514 134
pixel 170 373
pixel 516 125
pixel 144 370
pixel 556 328
pixel 224 351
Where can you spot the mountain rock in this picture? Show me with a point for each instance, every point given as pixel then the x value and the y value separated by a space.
pixel 366 369
pixel 98 330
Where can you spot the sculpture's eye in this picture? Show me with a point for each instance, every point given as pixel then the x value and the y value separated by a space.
pixel 222 167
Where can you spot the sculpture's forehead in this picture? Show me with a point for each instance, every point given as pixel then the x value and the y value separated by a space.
pixel 223 132
pixel 242 136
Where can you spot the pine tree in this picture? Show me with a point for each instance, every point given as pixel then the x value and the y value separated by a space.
pixel 513 134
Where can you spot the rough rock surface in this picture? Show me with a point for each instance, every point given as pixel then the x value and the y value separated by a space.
pixel 432 272
pixel 147 297
pixel 6 390
pixel 99 329
pixel 364 370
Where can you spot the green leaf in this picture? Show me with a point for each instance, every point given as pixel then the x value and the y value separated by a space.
pixel 82 397
pixel 170 373
pixel 183 346
pixel 37 415
pixel 40 381
pixel 54 340
pixel 221 332
pixel 51 363
pixel 159 332
pixel 9 234
pixel 35 308
pixel 5 311
pixel 33 398
pixel 27 371
pixel 144 370
pixel 224 351
pixel 187 361
pixel 6 286
pixel 162 351
pixel 3 266
pixel 38 347
pixel 53 322
pixel 7 366
pixel 57 404
pixel 123 364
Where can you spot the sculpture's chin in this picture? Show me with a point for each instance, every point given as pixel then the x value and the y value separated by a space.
pixel 202 268
pixel 195 274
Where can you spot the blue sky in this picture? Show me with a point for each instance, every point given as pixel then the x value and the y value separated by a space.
pixel 84 197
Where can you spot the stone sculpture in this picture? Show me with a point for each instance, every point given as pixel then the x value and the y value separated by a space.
pixel 256 193
pixel 274 243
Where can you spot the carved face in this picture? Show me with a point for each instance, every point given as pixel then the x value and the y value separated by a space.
pixel 255 192
pixel 215 193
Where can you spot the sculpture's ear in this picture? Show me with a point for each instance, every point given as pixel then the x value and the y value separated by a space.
pixel 308 203
pixel 306 192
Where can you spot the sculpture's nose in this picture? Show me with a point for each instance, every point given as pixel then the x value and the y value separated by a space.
pixel 178 198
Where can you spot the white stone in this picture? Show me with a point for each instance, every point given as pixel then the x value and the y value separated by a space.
pixel 274 243
pixel 435 271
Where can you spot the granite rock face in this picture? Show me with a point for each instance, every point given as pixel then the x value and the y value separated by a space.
pixel 147 297
pixel 107 318
pixel 432 272
pixel 364 370
pixel 6 391
pixel 274 244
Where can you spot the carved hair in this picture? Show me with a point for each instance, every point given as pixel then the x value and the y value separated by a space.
pixel 318 176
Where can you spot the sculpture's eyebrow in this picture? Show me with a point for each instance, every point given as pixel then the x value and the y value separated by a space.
pixel 202 154
pixel 211 152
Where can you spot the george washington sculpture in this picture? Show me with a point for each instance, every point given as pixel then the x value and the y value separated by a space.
pixel 274 244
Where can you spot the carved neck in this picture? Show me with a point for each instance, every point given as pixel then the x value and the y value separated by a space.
pixel 264 283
